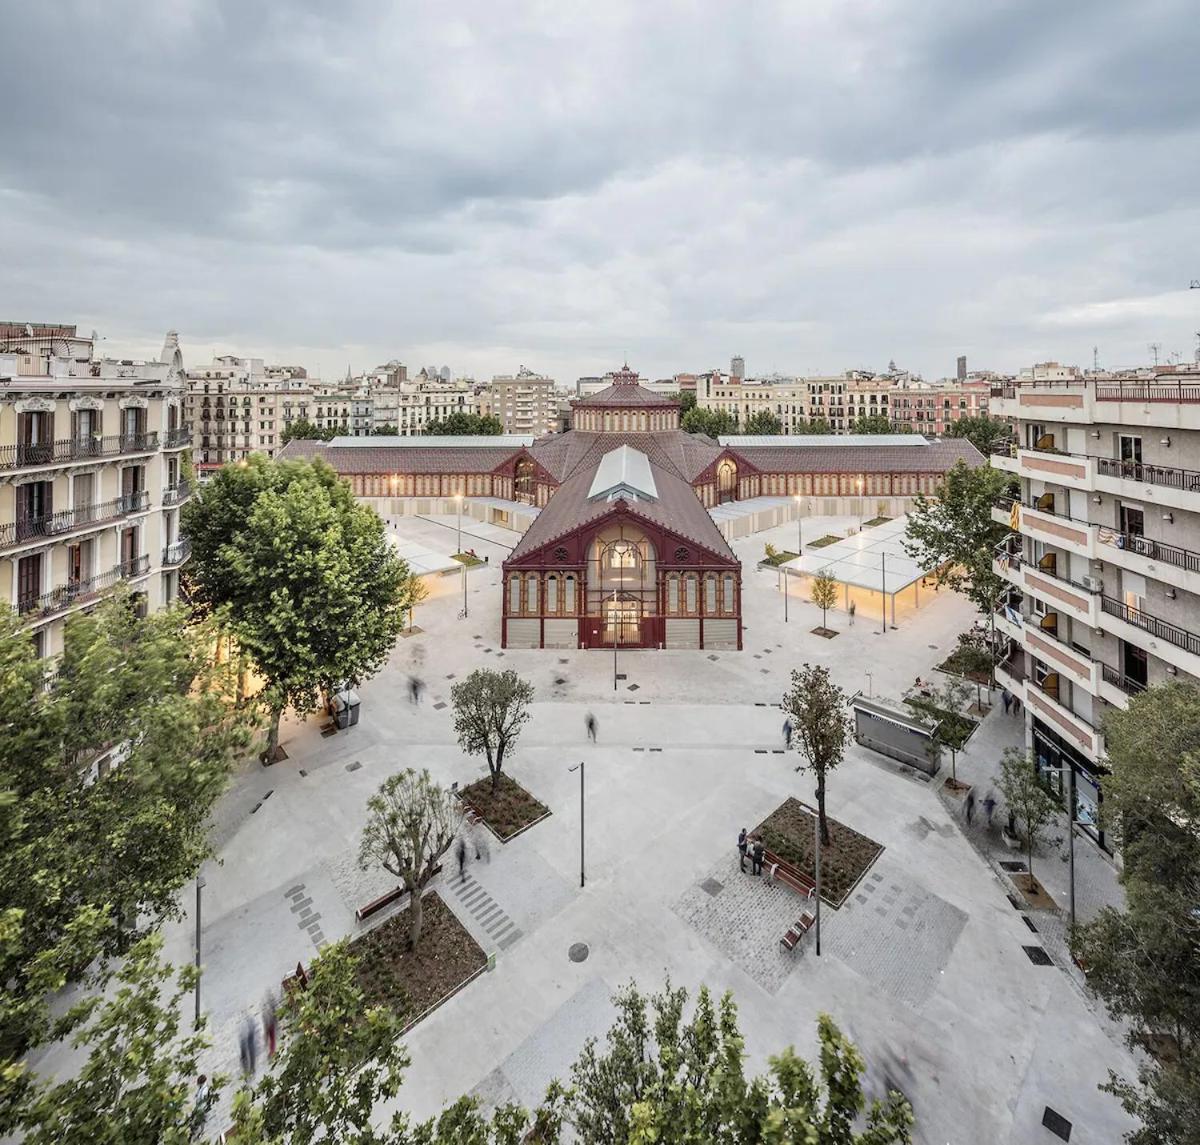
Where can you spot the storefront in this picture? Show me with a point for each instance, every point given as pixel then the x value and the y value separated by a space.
pixel 1052 754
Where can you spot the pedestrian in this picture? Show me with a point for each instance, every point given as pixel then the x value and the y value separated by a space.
pixel 201 1104
pixel 742 848
pixel 787 734
pixel 249 1047
pixel 1016 704
pixel 1006 696
pixel 461 852
pixel 970 806
pixel 852 608
pixel 989 806
pixel 412 689
pixel 591 727
pixel 756 857
pixel 269 1023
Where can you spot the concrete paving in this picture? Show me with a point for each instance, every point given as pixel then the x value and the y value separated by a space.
pixel 925 965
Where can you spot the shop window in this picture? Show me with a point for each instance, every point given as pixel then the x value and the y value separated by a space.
pixel 531 593
pixel 729 594
pixel 514 595
pixel 710 594
pixel 691 593
pixel 552 594
pixel 569 594
pixel 673 595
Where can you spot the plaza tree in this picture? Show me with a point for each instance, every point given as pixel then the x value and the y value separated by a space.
pixel 411 823
pixel 92 858
pixel 415 591
pixel 824 593
pixel 954 534
pixel 944 715
pixel 462 423
pixel 302 576
pixel 710 422
pixel 763 423
pixel 490 708
pixel 820 719
pixel 983 432
pixel 873 423
pixel 1028 800
pixel 1143 958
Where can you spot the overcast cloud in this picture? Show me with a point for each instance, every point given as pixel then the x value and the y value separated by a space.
pixel 814 185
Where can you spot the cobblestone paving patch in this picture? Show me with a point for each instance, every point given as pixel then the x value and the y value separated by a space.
pixel 745 921
pixel 896 934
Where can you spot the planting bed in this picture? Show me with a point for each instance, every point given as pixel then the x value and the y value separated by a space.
pixel 508 810
pixel 411 982
pixel 788 831
pixel 821 542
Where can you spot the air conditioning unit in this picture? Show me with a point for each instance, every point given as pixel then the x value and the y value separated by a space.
pixel 1092 583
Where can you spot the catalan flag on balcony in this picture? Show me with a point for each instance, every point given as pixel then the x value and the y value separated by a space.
pixel 1014 517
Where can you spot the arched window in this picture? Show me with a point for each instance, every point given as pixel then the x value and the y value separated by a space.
pixel 710 594
pixel 552 593
pixel 531 593
pixel 673 594
pixel 622 555
pixel 570 594
pixel 729 593
pixel 691 593
pixel 514 595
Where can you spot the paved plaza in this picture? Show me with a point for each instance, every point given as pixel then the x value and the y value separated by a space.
pixel 925 966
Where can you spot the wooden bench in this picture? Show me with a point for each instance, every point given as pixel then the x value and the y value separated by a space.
pixel 798 930
pixel 376 905
pixel 788 873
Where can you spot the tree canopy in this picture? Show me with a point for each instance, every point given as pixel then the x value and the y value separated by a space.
pixel 304 430
pixel 982 431
pixel 763 422
pixel 872 423
pixel 954 535
pixel 462 422
pixel 302 575
pixel 820 719
pixel 490 708
pixel 710 422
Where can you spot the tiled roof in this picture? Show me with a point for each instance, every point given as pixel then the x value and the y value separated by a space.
pixel 625 394
pixel 934 457
pixel 408 459
pixel 676 509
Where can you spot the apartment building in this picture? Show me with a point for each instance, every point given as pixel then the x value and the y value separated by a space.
pixel 92 476
pixel 409 405
pixel 838 399
pixel 525 403
pixel 239 406
pixel 931 408
pixel 1103 576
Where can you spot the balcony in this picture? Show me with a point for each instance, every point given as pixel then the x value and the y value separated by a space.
pixel 176 494
pixel 1116 688
pixel 1162 633
pixel 1158 390
pixel 1004 456
pixel 1071 725
pixel 1075 471
pixel 1045 643
pixel 1158 484
pixel 1010 674
pixel 80 591
pixel 1057 529
pixel 1169 564
pixel 71 520
pixel 176 553
pixel 30 456
pixel 178 438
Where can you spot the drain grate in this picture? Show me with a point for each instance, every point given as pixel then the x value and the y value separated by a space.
pixel 712 887
pixel 1056 1123
pixel 1037 955
pixel 439 705
pixel 633 687
pixel 578 952
pixel 1013 902
pixel 353 766
pixel 1029 923
pixel 1014 866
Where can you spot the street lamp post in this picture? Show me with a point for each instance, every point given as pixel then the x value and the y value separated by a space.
pixel 579 767
pixel 458 501
pixel 817 868
pixel 799 529
pixel 860 504
pixel 614 628
pixel 1071 821
pixel 199 887
pixel 783 575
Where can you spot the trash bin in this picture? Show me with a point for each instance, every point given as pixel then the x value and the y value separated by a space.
pixel 345 708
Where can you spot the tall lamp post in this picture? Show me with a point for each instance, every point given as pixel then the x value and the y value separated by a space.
pixel 1071 821
pixel 458 503
pixel 614 628
pixel 799 528
pixel 458 497
pixel 579 767
pixel 199 887
pixel 860 504
pixel 817 881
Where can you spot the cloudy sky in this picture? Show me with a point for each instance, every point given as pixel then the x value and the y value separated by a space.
pixel 815 185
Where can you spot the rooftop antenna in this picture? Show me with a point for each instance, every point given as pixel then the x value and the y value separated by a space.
pixel 1154 348
pixel 1096 358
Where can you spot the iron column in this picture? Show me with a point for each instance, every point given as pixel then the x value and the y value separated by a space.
pixel 817 866
pixel 579 767
pixel 199 888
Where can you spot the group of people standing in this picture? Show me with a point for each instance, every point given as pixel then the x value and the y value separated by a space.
pixel 752 846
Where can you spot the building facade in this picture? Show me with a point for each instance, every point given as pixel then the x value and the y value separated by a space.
pixel 524 403
pixel 624 547
pixel 1104 573
pixel 93 471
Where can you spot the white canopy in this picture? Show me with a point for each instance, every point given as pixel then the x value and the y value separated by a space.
pixel 872 559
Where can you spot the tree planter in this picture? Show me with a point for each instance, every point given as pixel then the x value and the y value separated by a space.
pixel 828 633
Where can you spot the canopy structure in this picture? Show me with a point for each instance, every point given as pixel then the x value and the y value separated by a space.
pixel 422 560
pixel 871 565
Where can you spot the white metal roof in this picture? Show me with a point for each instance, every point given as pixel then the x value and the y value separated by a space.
pixel 624 470
pixel 434 440
pixel 873 559
pixel 750 441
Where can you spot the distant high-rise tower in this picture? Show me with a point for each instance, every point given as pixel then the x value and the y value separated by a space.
pixel 737 367
pixel 962 367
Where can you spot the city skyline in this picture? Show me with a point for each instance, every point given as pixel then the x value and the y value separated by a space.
pixel 818 190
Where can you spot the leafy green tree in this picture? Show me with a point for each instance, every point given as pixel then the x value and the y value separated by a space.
pixel 415 591
pixel 662 1077
pixel 462 422
pixel 816 425
pixel 943 713
pixel 411 823
pixel 1144 959
pixel 711 422
pixel 954 534
pixel 982 431
pixel 1027 799
pixel 110 775
pixel 304 430
pixel 490 708
pixel 386 431
pixel 764 423
pixel 686 400
pixel 824 593
pixel 133 1085
pixel 872 423
pixel 820 718
pixel 304 577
